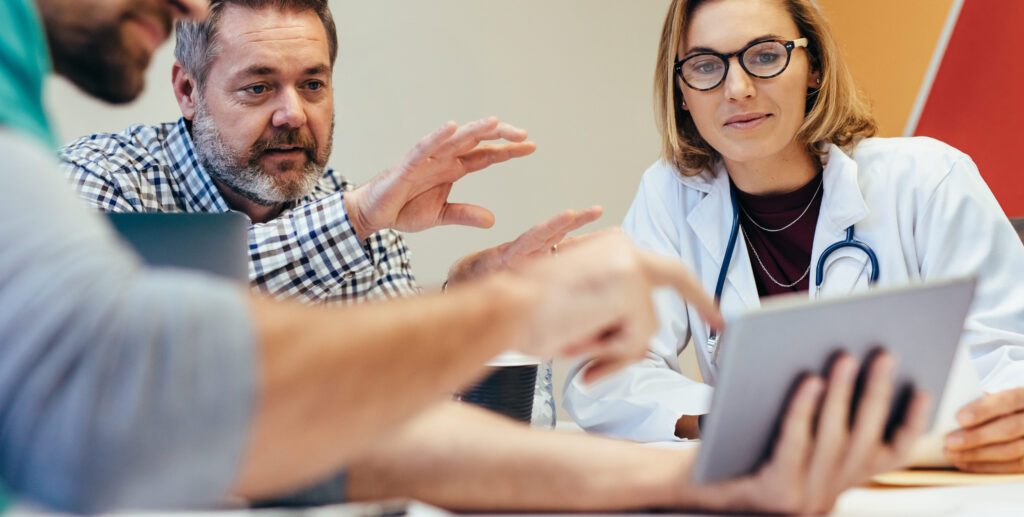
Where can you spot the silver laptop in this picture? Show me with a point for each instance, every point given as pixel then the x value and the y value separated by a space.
pixel 212 243
pixel 767 351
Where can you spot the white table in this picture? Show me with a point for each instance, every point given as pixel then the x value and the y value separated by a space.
pixel 963 501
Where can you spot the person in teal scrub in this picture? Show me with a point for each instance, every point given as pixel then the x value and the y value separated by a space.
pixel 123 387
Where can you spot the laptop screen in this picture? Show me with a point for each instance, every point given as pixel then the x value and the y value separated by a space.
pixel 213 243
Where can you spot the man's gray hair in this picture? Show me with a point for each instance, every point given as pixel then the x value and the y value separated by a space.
pixel 196 45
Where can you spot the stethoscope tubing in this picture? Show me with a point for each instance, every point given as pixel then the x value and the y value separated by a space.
pixel 819 270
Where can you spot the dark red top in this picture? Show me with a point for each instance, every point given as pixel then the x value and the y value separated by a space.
pixel 786 254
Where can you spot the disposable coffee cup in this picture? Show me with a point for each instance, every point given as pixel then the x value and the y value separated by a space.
pixel 508 388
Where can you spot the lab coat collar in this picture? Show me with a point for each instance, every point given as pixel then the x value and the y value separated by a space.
pixel 711 222
pixel 842 206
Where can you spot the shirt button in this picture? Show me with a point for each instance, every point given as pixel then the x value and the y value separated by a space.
pixel 349 276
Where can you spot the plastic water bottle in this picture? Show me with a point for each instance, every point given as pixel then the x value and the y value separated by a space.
pixel 544 398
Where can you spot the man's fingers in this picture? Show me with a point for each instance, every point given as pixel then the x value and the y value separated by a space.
pixel 429 144
pixel 1002 430
pixel 533 240
pixel 915 423
pixel 583 348
pixel 990 407
pixel 664 271
pixel 541 237
pixel 472 134
pixel 872 412
pixel 834 418
pixel 621 346
pixel 570 242
pixel 578 220
pixel 600 368
pixel 794 444
pixel 1000 452
pixel 551 242
pixel 484 130
pixel 466 215
pixel 483 157
pixel 451 141
pixel 583 218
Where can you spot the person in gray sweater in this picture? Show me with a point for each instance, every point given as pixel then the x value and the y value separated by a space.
pixel 126 387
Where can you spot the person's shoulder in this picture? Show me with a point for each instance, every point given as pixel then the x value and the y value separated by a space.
pixel 661 171
pixel 139 145
pixel 918 153
pixel 22 152
pixel 333 181
pixel 29 170
pixel 663 175
pixel 330 183
pixel 911 164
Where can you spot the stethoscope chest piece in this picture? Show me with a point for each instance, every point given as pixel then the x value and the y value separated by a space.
pixel 819 276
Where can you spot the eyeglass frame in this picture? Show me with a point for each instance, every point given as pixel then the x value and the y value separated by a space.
pixel 789 45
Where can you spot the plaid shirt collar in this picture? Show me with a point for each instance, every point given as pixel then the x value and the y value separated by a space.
pixel 197 192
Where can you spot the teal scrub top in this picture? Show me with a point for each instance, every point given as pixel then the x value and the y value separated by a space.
pixel 24 65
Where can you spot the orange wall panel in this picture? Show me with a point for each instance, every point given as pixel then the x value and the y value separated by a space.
pixel 888 45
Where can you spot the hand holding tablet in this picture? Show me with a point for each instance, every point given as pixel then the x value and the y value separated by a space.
pixel 823 448
pixel 773 356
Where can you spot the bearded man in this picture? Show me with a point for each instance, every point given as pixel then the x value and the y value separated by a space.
pixel 254 85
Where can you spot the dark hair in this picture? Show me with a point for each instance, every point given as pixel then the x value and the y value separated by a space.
pixel 196 44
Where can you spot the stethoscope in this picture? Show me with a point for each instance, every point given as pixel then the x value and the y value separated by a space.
pixel 819 271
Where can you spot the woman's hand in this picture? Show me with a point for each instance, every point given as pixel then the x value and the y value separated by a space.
pixel 991 438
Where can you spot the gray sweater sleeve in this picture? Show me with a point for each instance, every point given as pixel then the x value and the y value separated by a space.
pixel 120 386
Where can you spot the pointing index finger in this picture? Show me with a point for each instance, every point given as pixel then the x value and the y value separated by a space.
pixel 666 272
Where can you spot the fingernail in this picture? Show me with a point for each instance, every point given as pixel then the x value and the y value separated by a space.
pixel 847 369
pixel 965 417
pixel 886 364
pixel 954 440
pixel 890 360
pixel 815 389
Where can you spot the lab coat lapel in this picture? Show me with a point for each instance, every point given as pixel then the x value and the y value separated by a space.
pixel 842 206
pixel 711 221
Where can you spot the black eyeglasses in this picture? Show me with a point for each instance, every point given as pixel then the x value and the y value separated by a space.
pixel 762 59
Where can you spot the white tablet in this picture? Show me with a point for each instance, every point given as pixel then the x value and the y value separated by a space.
pixel 764 353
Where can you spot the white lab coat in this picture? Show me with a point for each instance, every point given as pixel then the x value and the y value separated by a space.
pixel 920 204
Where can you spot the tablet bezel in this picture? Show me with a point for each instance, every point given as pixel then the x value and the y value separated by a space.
pixel 747 404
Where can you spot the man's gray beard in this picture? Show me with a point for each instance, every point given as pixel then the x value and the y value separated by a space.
pixel 247 179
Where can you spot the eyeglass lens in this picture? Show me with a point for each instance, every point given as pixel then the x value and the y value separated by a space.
pixel 764 60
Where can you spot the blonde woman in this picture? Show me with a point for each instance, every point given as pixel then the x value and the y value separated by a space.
pixel 770 159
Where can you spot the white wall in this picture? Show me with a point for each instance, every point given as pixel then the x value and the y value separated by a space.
pixel 576 73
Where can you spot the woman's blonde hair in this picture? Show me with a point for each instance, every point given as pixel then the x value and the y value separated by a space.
pixel 837 113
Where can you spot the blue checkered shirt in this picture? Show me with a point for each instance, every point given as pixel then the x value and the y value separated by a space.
pixel 310 252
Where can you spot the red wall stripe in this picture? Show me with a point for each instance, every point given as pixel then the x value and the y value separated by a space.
pixel 977 100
